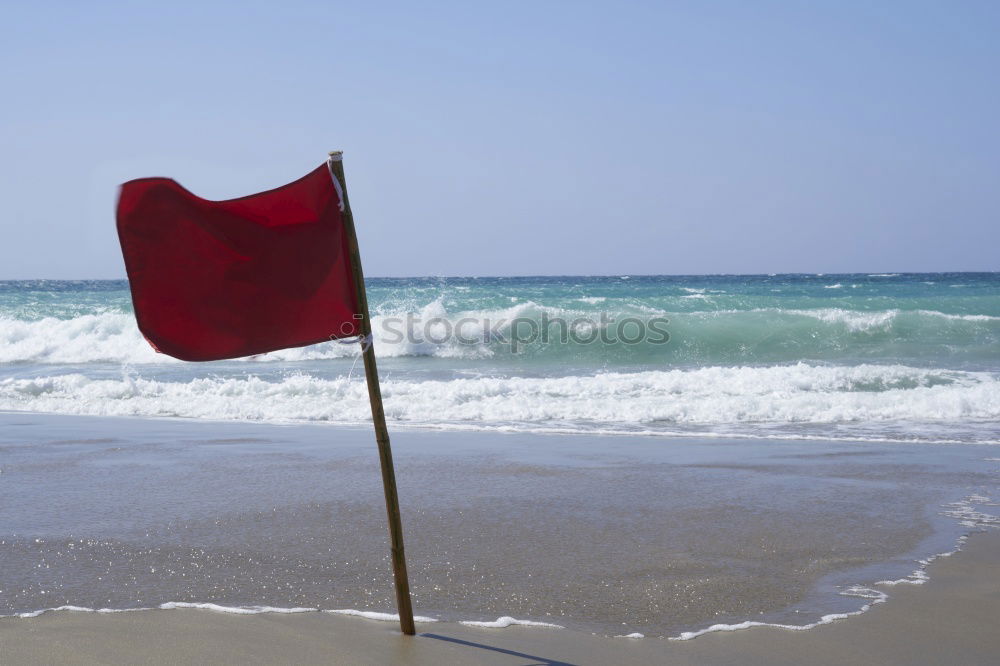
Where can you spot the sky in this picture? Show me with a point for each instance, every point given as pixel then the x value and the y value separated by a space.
pixel 521 138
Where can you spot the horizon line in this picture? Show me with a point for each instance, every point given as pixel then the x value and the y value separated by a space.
pixel 884 273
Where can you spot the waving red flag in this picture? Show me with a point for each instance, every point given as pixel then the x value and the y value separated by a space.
pixel 213 280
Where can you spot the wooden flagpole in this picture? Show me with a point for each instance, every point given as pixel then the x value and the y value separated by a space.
pixel 403 603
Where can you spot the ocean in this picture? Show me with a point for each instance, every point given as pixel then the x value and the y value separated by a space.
pixel 623 455
pixel 867 357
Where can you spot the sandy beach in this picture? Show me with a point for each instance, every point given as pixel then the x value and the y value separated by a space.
pixel 601 536
pixel 950 619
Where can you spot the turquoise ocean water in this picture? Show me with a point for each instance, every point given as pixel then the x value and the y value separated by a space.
pixel 910 357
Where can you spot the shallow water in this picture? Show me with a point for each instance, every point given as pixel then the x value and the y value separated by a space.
pixel 606 534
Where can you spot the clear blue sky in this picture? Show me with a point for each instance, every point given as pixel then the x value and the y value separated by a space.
pixel 510 138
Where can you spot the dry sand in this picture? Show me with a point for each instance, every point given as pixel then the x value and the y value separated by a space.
pixel 950 620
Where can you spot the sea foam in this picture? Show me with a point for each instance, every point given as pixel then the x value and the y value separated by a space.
pixel 639 401
pixel 508 621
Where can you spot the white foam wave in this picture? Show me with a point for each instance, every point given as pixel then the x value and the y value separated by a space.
pixel 375 615
pixel 968 515
pixel 234 610
pixel 863 321
pixel 863 592
pixel 799 393
pixel 852 319
pixel 172 605
pixel 108 337
pixel 499 623
pixel 826 619
pixel 855 321
pixel 507 621
pixel 36 613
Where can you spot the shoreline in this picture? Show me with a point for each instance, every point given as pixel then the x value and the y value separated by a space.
pixel 469 428
pixel 947 620
pixel 879 530
pixel 878 596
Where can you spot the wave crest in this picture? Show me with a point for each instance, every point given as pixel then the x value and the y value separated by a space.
pixel 636 402
pixel 711 337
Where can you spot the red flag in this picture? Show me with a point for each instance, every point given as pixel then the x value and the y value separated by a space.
pixel 221 279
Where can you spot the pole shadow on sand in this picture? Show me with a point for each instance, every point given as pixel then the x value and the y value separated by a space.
pixel 535 661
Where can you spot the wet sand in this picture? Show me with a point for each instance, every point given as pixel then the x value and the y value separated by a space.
pixel 950 619
pixel 602 535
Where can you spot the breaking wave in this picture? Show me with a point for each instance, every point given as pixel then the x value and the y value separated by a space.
pixel 641 402
pixel 704 338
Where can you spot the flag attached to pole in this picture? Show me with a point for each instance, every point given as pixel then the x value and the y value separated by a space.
pixel 221 279
pixel 213 280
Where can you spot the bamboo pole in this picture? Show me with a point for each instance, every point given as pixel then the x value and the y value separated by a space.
pixel 403 603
